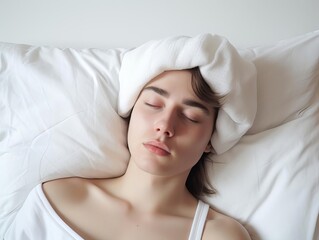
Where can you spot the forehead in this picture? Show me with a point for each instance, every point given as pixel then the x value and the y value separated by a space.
pixel 179 80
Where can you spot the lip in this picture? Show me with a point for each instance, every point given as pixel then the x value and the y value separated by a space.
pixel 157 147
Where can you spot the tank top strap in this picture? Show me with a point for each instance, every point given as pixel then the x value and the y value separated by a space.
pixel 199 221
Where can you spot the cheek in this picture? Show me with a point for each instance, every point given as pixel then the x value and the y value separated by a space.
pixel 208 132
pixel 205 131
pixel 199 139
pixel 137 125
pixel 139 119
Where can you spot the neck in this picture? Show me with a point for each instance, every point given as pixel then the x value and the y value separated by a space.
pixel 146 192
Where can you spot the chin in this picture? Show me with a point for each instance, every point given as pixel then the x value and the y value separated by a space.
pixel 154 165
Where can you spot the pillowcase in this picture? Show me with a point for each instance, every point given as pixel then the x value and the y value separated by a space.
pixel 59 118
pixel 287 79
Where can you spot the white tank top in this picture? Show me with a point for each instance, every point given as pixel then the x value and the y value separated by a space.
pixel 37 220
pixel 199 221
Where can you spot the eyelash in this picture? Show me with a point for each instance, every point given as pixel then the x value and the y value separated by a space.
pixel 192 120
pixel 151 105
pixel 183 115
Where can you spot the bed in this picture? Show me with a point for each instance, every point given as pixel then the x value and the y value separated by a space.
pixel 58 109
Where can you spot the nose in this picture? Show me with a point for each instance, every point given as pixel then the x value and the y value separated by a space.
pixel 165 125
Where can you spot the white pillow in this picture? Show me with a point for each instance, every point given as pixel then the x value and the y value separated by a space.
pixel 270 179
pixel 58 119
pixel 287 80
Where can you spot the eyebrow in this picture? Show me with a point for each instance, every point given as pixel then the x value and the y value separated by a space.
pixel 188 102
pixel 159 91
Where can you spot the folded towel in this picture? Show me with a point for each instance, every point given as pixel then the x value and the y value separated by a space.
pixel 220 65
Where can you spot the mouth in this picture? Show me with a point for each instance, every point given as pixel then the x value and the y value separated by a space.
pixel 157 147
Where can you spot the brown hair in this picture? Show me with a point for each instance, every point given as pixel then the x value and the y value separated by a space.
pixel 198 183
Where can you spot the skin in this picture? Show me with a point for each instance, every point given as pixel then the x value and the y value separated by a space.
pixel 169 130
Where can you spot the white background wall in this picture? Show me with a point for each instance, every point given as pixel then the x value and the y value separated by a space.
pixel 127 23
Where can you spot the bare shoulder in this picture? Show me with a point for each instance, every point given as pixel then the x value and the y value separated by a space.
pixel 66 191
pixel 222 227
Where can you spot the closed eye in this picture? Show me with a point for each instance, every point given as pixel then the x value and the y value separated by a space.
pixel 190 119
pixel 151 105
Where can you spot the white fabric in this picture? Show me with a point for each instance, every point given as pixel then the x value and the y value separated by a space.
pixel 221 66
pixel 56 120
pixel 270 179
pixel 199 221
pixel 37 220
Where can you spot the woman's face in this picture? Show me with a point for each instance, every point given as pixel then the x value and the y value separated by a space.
pixel 170 127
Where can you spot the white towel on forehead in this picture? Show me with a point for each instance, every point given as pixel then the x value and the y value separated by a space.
pixel 220 65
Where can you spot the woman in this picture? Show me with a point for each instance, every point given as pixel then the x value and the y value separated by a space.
pixel 169 130
pixel 169 137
